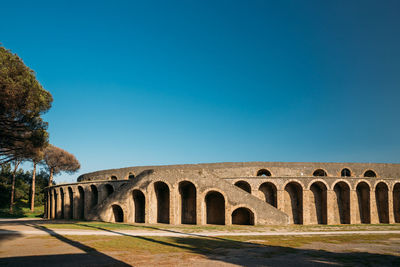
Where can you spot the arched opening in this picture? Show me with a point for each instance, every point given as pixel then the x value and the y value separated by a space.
pixel 95 196
pixel 342 209
pixel 187 191
pixel 113 177
pixel 363 197
pixel 71 203
pixel 319 172
pixel 162 195
pixel 62 203
pixel 139 201
pixel 263 172
pixel 131 176
pixel 244 186
pixel 81 203
pixel 318 211
pixel 345 172
pixel 370 173
pixel 118 213
pixel 294 202
pixel 382 202
pixel 109 189
pixel 243 216
pixel 269 191
pixel 215 208
pixel 396 202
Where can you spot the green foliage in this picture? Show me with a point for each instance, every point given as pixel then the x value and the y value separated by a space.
pixel 22 101
pixel 22 186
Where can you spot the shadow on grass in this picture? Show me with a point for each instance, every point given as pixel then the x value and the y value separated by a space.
pixel 227 250
pixel 254 254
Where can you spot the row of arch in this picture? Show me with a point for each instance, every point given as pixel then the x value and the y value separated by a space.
pixel 214 201
pixel 317 208
pixel 346 172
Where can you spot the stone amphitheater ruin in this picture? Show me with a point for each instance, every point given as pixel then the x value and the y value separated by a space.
pixel 251 193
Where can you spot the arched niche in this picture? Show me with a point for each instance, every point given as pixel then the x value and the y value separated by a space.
pixel 293 202
pixel 345 173
pixel 320 172
pixel 118 213
pixel 363 197
pixel 187 191
pixel 95 196
pixel 263 172
pixel 163 198
pixel 215 208
pixel 382 202
pixel 244 186
pixel 243 216
pixel 342 204
pixel 139 201
pixel 318 202
pixel 270 193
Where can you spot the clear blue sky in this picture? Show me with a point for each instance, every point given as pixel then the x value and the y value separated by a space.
pixel 168 82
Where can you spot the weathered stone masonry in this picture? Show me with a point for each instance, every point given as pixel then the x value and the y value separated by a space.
pixel 234 193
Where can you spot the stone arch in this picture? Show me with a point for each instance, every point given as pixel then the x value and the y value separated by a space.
pixel 342 207
pixel 118 213
pixel 131 176
pixel 293 202
pixel 370 173
pixel 320 172
pixel 318 202
pixel 363 196
pixel 139 200
pixel 244 186
pixel 81 203
pixel 396 202
pixel 270 193
pixel 94 197
pixel 215 208
pixel 162 192
pixel 62 194
pixel 113 177
pixel 187 191
pixel 71 203
pixel 382 202
pixel 263 172
pixel 109 189
pixel 346 172
pixel 243 216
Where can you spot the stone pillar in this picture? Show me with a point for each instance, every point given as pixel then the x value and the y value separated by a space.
pixel 52 205
pixel 75 212
pixel 373 207
pixel 330 210
pixel 354 209
pixel 280 199
pixel 67 206
pixel 58 204
pixel 391 206
pixel 306 207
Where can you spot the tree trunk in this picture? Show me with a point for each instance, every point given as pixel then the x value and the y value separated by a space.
pixel 33 187
pixel 16 163
pixel 51 177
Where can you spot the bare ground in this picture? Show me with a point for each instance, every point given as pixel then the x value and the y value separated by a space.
pixel 77 250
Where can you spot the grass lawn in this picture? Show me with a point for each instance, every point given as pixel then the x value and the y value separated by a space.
pixel 85 225
pixel 21 210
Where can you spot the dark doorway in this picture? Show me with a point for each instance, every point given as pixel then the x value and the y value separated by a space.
pixel 71 203
pixel 342 192
pixel 243 216
pixel 269 191
pixel 319 204
pixel 162 194
pixel 187 191
pixel 118 213
pixel 140 203
pixel 81 203
pixel 294 202
pixel 363 195
pixel 95 196
pixel 382 202
pixel 215 206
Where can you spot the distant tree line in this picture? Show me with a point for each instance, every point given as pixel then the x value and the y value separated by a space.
pixel 23 133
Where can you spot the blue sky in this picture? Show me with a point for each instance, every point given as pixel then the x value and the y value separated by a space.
pixel 168 82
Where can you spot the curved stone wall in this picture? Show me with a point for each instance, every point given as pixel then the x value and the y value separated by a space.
pixel 238 193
